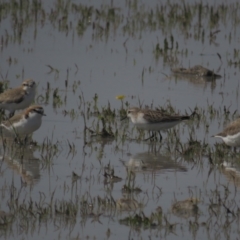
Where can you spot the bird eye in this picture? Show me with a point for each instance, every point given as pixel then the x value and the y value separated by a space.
pixel 38 110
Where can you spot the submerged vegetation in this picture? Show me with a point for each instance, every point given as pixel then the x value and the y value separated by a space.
pixel 86 173
pixel 129 210
pixel 190 19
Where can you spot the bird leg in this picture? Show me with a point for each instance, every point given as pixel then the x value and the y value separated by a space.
pixel 235 149
pixel 11 114
pixel 152 137
pixel 21 141
pixel 2 113
pixel 160 136
pixel 25 140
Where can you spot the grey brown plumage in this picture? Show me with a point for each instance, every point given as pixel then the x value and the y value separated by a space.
pixel 18 98
pixel 231 134
pixel 156 116
pixel 7 97
pixel 26 122
pixel 231 129
pixel 154 120
pixel 197 70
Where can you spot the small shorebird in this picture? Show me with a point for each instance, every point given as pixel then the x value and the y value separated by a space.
pixel 154 120
pixel 198 71
pixel 231 134
pixel 18 98
pixel 26 122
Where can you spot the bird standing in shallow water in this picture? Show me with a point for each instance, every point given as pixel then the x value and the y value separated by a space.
pixel 18 98
pixel 154 120
pixel 231 134
pixel 25 122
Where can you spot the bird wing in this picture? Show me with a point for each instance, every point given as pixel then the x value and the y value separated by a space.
pixel 158 116
pixel 231 129
pixel 10 122
pixel 7 97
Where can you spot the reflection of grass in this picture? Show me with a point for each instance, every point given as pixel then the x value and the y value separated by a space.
pixel 141 221
pixel 102 126
pixel 57 101
pixel 191 19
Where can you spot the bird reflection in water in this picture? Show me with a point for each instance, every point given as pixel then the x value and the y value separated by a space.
pixel 21 160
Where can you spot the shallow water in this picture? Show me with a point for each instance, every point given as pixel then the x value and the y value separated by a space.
pixel 89 64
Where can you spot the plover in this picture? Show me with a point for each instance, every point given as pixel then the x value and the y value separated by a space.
pixel 26 122
pixel 231 134
pixel 154 120
pixel 18 98
pixel 198 71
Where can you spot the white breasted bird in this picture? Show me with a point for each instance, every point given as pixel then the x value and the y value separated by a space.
pixel 26 122
pixel 154 120
pixel 231 134
pixel 18 98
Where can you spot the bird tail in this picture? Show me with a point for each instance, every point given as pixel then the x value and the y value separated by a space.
pixel 189 116
pixel 193 114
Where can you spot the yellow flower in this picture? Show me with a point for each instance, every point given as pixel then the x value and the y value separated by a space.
pixel 120 97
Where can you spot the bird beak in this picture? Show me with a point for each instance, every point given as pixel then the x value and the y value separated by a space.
pixel 44 114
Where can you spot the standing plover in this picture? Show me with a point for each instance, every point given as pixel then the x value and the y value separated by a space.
pixel 231 134
pixel 18 98
pixel 26 122
pixel 154 120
